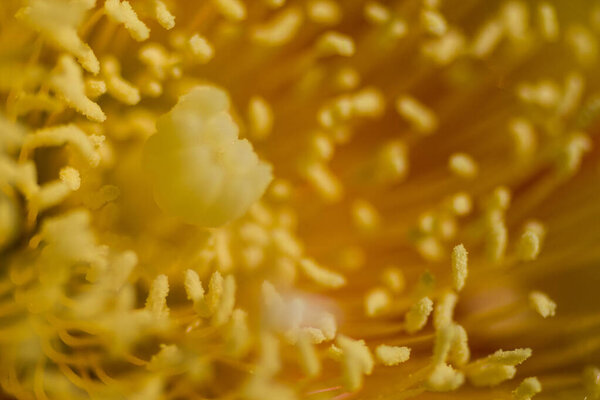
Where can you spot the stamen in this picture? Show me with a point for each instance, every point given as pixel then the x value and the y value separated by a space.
pixel 309 360
pixel 459 267
pixel 122 13
pixel 542 304
pixel 357 361
pixel 67 80
pixel 320 275
pixel 529 246
pixel 444 309
pixel 394 279
pixel 58 136
pixel 527 389
pixel 201 49
pixel 163 16
pixel 376 301
pixel 376 13
pixel 422 119
pixel 416 317
pixel 326 12
pixel 583 43
pixel 365 216
pixel 58 22
pixel 280 29
pixel 548 21
pixel 260 117
pixel 444 378
pixel 524 137
pixel 392 355
pixel 433 22
pixel 226 302
pixel 334 43
pixel 323 180
pixel 496 241
pixel 116 85
pixel 233 10
pixel 463 165
pixel 70 176
pixel 487 39
pixel 95 88
pixel 156 302
pixel 515 17
pixel 459 351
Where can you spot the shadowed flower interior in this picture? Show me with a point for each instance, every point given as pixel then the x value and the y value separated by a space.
pixel 299 199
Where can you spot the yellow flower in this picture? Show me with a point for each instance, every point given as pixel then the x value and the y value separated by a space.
pixel 301 199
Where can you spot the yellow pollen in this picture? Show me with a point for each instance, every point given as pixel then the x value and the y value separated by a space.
pixel 357 361
pixel 390 163
pixel 515 17
pixel 193 286
pixel 444 309
pixel 444 378
pixel 234 10
pixel 459 351
pixel 542 304
pixel 392 355
pixel 394 280
pixel 529 246
pixel 163 16
pixel 376 13
pixel 433 22
pixel 572 153
pixel 365 216
pixel 95 88
pixel 68 82
pixel 116 85
pixel 226 302
pixel 583 43
pixel 325 12
pixel 444 337
pixel 122 13
pixel 70 176
pixel 461 204
pixel 422 119
pixel 548 21
pixel 524 137
pixel 280 29
pixel 320 275
pixel 309 360
pixel 60 135
pixel 459 267
pixel 376 302
pixel 368 102
pixel 260 116
pixel 416 317
pixel 463 165
pixel 347 78
pixel 445 49
pixel 58 21
pixel 323 181
pixel 573 91
pixel 156 303
pixel 321 146
pixel 487 39
pixel 201 48
pixel 527 389
pixel 334 43
pixel 497 239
